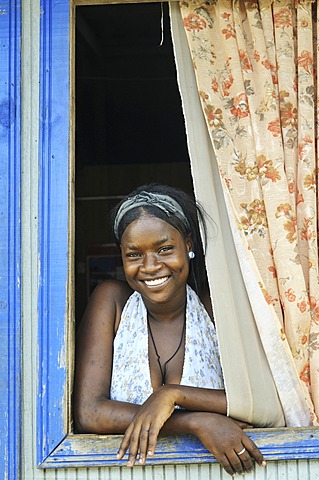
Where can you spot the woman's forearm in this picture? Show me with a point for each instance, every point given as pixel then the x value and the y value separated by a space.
pixel 109 417
pixel 106 416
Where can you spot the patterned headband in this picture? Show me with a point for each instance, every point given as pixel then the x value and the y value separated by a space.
pixel 163 202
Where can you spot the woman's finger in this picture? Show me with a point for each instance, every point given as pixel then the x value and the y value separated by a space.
pixel 125 443
pixel 242 460
pixel 235 462
pixel 143 444
pixel 254 451
pixel 130 441
pixel 243 425
pixel 223 460
pixel 133 448
pixel 152 436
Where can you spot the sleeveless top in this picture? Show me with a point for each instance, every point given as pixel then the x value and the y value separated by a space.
pixel 131 379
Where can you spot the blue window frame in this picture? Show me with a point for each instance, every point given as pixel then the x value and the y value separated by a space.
pixel 57 446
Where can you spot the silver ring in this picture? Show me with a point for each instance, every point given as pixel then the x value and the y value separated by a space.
pixel 242 451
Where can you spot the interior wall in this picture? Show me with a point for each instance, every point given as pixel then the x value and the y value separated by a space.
pixel 129 122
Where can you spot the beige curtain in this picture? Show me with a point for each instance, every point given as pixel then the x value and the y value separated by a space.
pixel 255 64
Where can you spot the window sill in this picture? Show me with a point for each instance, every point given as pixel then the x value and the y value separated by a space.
pixel 100 450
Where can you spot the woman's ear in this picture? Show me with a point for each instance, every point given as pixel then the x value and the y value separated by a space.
pixel 189 243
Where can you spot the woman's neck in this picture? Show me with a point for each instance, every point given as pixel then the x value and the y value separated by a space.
pixel 167 312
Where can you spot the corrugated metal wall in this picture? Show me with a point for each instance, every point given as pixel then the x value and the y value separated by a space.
pixel 301 470
pixel 293 470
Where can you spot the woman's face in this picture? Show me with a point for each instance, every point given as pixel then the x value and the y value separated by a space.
pixel 155 259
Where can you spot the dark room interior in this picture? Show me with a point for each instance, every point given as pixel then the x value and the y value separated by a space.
pixel 129 124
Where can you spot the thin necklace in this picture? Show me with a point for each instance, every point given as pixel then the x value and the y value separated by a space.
pixel 163 369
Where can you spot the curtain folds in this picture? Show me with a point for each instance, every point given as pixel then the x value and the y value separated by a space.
pixel 255 67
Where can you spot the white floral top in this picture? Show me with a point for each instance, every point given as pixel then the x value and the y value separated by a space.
pixel 131 379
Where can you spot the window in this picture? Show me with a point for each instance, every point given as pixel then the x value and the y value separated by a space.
pixel 57 445
pixel 128 117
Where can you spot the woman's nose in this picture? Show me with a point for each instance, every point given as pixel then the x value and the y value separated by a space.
pixel 151 263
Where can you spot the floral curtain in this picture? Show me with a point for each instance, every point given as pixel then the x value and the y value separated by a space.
pixel 255 64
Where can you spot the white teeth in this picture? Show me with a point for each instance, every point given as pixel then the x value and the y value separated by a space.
pixel 155 282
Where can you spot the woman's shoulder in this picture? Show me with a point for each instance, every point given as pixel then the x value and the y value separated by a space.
pixel 111 294
pixel 118 290
pixel 106 303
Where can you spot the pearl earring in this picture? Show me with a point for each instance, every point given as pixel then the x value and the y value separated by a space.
pixel 191 255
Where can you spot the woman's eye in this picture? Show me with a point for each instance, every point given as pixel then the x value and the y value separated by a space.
pixel 133 255
pixel 165 249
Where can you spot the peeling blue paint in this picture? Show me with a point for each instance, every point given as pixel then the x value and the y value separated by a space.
pixel 53 224
pixel 100 450
pixel 3 305
pixel 7 112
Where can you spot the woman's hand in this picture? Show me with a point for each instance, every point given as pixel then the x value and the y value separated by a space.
pixel 221 435
pixel 141 435
pixel 225 439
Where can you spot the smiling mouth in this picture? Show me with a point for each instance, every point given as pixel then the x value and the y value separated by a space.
pixel 156 282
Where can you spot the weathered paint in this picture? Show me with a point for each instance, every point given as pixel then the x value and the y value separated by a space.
pixel 99 450
pixel 53 223
pixel 10 321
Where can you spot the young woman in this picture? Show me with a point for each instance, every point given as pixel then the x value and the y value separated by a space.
pixel 147 358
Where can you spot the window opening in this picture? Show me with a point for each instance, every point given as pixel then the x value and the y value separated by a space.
pixel 129 124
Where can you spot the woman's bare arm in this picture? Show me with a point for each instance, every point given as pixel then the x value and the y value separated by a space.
pixel 94 412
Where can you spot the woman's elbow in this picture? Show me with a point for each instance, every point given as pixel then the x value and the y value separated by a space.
pixel 85 418
pixel 92 416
